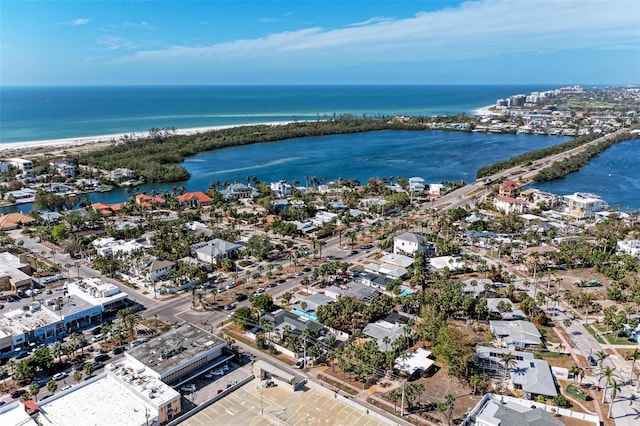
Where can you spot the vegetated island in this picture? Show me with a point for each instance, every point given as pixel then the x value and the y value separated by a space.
pixel 562 168
pixel 157 157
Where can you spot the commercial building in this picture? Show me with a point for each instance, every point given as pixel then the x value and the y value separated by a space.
pixel 180 354
pixel 124 395
pixel 46 319
pixel 14 272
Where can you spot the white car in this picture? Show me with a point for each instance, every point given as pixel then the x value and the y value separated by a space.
pixel 59 376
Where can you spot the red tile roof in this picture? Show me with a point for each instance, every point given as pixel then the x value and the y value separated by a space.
pixel 200 197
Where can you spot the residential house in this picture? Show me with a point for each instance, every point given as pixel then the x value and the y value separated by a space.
pixel 288 323
pixel 238 191
pixel 25 166
pixel 21 195
pixel 386 270
pixel 149 202
pixel 109 246
pixel 582 205
pixel 157 269
pixel 352 289
pixel 409 244
pixel 121 174
pixel 510 188
pixel 194 200
pixel 416 184
pixel 415 363
pixel 211 252
pixel 630 247
pixel 384 333
pixel 533 376
pixel 12 221
pixel 63 167
pixel 452 263
pixel 372 280
pixel 504 308
pixel 510 205
pixel 313 302
pixel 516 334
pixel 501 410
pixel 281 189
pixel 477 287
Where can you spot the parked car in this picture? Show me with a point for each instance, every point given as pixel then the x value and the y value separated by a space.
pixel 213 373
pixel 229 307
pixel 191 387
pixel 240 297
pixel 97 337
pixel 59 376
pixel 79 366
pixel 592 361
pixel 300 363
pixel 18 393
pixel 101 357
pixel 271 285
pixel 96 365
pixel 1 306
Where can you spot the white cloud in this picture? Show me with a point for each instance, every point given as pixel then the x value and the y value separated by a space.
pixel 80 21
pixel 141 24
pixel 474 29
pixel 374 20
pixel 111 42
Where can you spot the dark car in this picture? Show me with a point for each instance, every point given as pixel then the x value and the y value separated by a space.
pixel 11 299
pixel 101 358
pixel 18 393
pixel 271 285
pixel 96 330
pixel 592 361
pixel 240 297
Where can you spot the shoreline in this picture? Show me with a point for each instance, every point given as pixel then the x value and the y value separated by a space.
pixel 485 111
pixel 91 142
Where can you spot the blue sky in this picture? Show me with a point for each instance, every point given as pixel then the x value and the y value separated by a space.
pixel 319 42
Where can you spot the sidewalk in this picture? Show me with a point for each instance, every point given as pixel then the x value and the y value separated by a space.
pixel 571 349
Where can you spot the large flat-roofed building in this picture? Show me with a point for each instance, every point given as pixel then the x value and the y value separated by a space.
pixel 582 205
pixel 98 293
pixel 52 316
pixel 124 395
pixel 180 354
pixel 14 272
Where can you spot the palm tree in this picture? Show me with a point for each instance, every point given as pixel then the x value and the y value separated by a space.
pixel 509 361
pixel 57 351
pixel 52 386
pixel 615 386
pixel 601 356
pixel 633 356
pixel 446 407
pixel 77 375
pixel 395 396
pixel 608 375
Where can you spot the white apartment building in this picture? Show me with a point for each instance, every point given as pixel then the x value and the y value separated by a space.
pixel 583 205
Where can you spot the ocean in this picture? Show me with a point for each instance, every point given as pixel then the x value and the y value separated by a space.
pixel 44 113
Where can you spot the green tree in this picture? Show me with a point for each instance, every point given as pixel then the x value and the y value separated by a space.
pixel 52 386
pixel 88 369
pixel 242 317
pixel 446 407
pixel 34 388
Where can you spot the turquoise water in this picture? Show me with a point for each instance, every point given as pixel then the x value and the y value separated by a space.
pixel 52 113
pixel 43 113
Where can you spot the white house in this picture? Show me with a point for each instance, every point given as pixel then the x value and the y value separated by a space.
pixel 25 166
pixel 210 251
pixel 582 205
pixel 409 243
pixel 416 184
pixel 510 205
pixel 281 188
pixel 630 247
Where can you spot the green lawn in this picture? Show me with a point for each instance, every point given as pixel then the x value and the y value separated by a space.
pixel 593 333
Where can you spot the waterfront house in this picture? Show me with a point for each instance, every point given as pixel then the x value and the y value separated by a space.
pixel 148 202
pixel 416 184
pixel 281 189
pixel 582 205
pixel 25 166
pixel 238 191
pixel 120 175
pixel 194 200
pixel 12 221
pixel 63 167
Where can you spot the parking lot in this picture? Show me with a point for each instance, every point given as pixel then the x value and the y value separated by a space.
pixel 311 405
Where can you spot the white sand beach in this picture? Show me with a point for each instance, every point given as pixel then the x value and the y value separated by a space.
pixel 90 142
pixel 485 111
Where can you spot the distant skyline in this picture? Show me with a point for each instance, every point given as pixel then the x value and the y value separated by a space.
pixel 319 42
